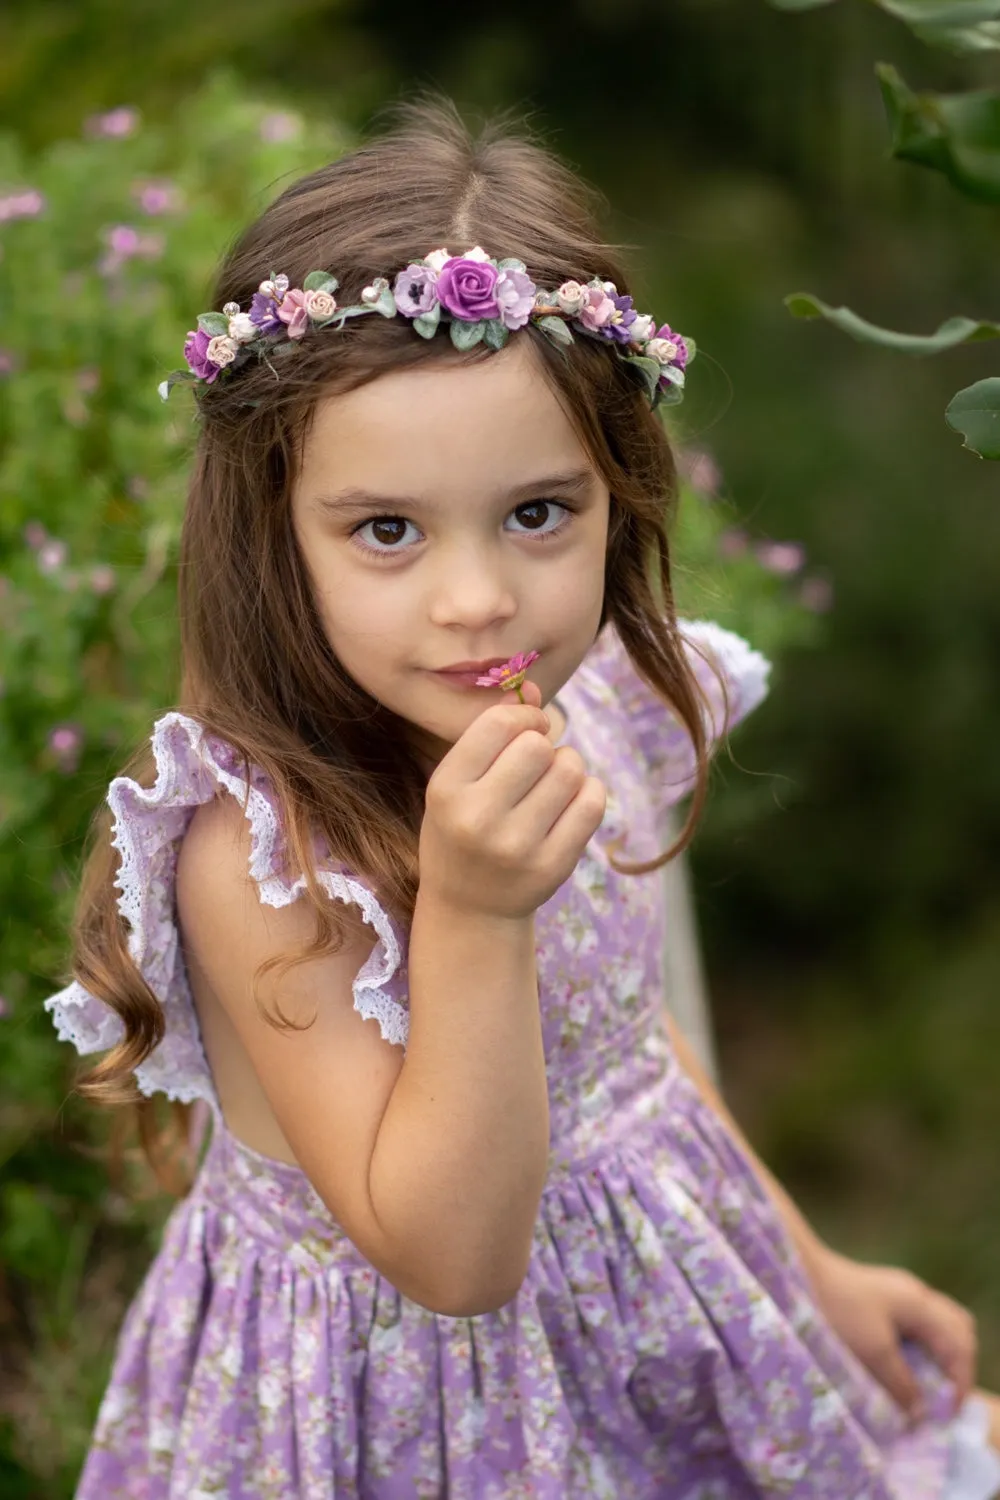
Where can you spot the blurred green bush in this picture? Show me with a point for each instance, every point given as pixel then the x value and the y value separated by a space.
pixel 108 244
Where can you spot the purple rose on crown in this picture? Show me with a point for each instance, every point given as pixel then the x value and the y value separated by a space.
pixel 466 288
pixel 195 353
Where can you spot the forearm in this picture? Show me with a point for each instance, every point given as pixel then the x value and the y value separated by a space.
pixel 805 1237
pixel 462 1150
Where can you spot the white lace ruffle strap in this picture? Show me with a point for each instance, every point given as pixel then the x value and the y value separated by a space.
pixel 718 658
pixel 149 824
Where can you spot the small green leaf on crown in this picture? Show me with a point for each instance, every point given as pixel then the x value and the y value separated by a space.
pixel 555 329
pixel 213 323
pixel 466 335
pixel 427 324
pixel 320 281
pixel 649 369
pixel 496 333
pixel 176 377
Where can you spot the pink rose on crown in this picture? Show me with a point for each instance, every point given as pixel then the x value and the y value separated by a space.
pixel 598 310
pixel 292 310
pixel 319 305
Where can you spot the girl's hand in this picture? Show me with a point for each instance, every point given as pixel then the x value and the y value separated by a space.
pixel 507 814
pixel 873 1308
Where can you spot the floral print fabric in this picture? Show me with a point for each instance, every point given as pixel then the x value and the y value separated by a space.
pixel 664 1342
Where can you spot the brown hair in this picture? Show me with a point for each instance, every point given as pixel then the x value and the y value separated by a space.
pixel 257 668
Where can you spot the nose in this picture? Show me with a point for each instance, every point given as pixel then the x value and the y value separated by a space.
pixel 471 588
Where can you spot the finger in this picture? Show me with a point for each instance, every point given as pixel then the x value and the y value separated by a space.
pixel 891 1370
pixel 551 794
pixel 486 737
pixel 948 1331
pixel 577 823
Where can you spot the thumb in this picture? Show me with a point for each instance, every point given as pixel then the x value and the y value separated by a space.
pixel 891 1369
pixel 530 692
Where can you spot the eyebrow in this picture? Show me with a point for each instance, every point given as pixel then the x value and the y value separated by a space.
pixel 352 501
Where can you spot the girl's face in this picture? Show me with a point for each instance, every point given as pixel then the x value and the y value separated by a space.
pixel 449 513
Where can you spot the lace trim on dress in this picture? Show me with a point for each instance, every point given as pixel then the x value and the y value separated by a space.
pixel 148 826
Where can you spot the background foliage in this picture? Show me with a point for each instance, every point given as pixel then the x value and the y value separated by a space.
pixel 848 887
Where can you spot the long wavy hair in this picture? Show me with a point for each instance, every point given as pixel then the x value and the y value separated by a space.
pixel 257 668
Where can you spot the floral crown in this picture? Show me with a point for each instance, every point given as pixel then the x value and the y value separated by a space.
pixel 477 297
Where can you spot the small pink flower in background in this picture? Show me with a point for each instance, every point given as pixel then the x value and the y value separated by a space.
pixel 35 534
pixel 781 557
pixel 102 578
pixel 74 410
pixel 700 469
pixel 27 204
pixel 816 593
pixel 124 242
pixel 66 741
pixel 157 196
pixel 510 674
pixel 138 487
pixel 51 555
pixel 280 125
pixel 4 1007
pixel 115 124
pixel 733 542
pixel 8 362
pixel 88 379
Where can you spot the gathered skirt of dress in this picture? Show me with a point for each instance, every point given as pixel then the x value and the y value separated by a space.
pixel 663 1344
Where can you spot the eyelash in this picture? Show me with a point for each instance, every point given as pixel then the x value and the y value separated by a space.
pixel 543 536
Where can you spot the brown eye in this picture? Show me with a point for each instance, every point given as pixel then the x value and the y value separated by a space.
pixel 536 515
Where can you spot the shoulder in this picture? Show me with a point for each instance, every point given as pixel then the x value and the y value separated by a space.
pixel 214 876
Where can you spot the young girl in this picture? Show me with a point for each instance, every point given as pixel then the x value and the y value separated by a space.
pixel 472 1222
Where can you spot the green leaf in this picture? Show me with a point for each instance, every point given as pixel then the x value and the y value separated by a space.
pixel 957 134
pixel 320 281
pixel 466 335
pixel 213 323
pixel 427 324
pixel 386 304
pixel 496 333
pixel 354 311
pixel 952 332
pixel 959 25
pixel 692 348
pixel 648 369
pixel 176 377
pixel 975 413
pixel 669 395
pixel 511 264
pixel 556 329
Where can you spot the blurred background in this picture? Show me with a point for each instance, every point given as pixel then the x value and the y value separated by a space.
pixel 847 874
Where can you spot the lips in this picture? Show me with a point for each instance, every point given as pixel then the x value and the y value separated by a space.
pixel 475 666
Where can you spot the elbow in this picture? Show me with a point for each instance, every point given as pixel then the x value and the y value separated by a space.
pixel 470 1296
pixel 472 1302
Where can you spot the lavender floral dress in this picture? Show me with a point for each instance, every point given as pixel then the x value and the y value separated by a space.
pixel 664 1342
